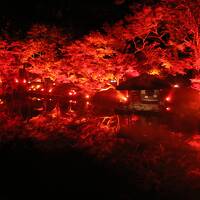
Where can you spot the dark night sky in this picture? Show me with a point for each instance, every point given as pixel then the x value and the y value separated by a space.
pixel 80 16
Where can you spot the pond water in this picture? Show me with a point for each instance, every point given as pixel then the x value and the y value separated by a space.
pixel 157 154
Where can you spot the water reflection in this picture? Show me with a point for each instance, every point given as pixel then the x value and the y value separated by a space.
pixel 181 120
pixel 154 147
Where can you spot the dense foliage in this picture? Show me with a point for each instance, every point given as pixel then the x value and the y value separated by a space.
pixel 160 39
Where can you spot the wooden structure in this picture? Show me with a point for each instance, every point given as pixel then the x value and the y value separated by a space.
pixel 145 93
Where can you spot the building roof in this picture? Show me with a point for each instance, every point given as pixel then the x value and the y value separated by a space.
pixel 144 82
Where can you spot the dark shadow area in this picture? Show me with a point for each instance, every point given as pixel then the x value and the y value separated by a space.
pixel 75 16
pixel 26 171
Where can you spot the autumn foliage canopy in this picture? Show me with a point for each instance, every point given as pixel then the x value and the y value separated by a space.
pixel 161 39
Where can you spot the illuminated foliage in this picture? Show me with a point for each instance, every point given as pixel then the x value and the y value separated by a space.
pixel 156 39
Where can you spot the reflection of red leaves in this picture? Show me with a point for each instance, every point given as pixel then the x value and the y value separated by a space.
pixel 194 172
pixel 194 142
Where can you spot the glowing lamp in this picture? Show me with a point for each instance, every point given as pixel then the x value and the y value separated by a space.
pixel 38 86
pixel 29 82
pixel 87 102
pixel 113 81
pixel 73 92
pixel 1 102
pixel 168 109
pixel 154 72
pixel 42 89
pixel 50 90
pixel 24 81
pixel 125 99
pixel 176 86
pixel 54 83
pixel 16 81
pixel 87 96
pixel 168 98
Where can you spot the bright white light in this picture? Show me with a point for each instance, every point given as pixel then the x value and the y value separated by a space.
pixel 113 81
pixel 176 86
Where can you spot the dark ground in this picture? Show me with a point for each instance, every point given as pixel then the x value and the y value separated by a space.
pixel 27 172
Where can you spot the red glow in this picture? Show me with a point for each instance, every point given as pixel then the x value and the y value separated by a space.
pixel 42 89
pixel 83 61
pixel 122 97
pixel 16 81
pixel 168 108
pixel 50 90
pixel 24 81
pixel 1 102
